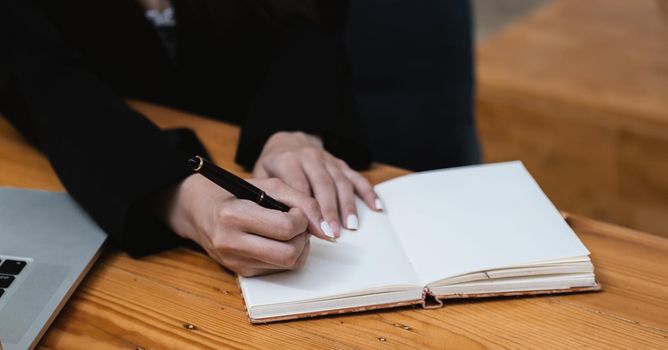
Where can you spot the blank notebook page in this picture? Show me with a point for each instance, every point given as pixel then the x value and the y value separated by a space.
pixel 475 218
pixel 367 259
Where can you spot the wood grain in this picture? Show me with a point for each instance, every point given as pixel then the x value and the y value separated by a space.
pixel 182 300
pixel 578 92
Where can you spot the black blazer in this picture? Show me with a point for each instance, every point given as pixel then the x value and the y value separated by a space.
pixel 64 64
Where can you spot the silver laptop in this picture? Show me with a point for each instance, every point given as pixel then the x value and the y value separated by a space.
pixel 47 244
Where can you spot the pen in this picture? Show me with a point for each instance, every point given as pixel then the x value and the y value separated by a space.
pixel 239 187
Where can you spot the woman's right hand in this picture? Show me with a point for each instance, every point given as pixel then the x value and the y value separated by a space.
pixel 241 235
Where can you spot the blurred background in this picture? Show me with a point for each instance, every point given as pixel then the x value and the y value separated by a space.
pixel 578 90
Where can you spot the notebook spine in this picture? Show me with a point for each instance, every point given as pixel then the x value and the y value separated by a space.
pixel 429 300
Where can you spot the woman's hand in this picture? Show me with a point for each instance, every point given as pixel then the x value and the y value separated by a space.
pixel 241 235
pixel 301 161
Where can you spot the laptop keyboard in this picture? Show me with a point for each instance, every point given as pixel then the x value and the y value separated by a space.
pixel 9 269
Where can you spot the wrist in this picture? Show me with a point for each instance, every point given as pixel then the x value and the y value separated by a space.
pixel 294 138
pixel 172 208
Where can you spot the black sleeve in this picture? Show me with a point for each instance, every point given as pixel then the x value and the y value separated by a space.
pixel 110 158
pixel 307 88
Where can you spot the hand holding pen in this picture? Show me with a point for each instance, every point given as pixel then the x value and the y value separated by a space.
pixel 242 189
pixel 241 235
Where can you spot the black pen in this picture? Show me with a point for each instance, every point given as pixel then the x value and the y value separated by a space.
pixel 239 187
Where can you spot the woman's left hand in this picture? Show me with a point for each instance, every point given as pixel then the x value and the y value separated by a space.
pixel 301 161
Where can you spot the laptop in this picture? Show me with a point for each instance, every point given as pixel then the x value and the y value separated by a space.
pixel 47 244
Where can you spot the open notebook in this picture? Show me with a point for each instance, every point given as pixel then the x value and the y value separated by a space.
pixel 474 231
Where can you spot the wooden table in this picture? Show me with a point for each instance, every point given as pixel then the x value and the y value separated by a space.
pixel 183 300
pixel 578 90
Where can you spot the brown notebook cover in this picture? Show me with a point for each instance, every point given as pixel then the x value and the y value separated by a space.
pixel 427 302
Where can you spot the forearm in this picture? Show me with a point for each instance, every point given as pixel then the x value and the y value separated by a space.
pixel 307 88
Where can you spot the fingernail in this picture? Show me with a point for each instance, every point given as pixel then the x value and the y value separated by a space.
pixel 379 204
pixel 351 222
pixel 335 228
pixel 326 229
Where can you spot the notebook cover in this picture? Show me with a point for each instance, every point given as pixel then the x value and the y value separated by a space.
pixel 437 302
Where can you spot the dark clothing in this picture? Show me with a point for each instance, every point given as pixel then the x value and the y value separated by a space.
pixel 413 71
pixel 64 64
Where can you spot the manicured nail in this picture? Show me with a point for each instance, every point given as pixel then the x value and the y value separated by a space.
pixel 351 222
pixel 324 226
pixel 379 204
pixel 335 228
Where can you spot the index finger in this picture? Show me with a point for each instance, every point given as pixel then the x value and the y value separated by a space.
pixel 363 189
pixel 272 223
pixel 294 198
